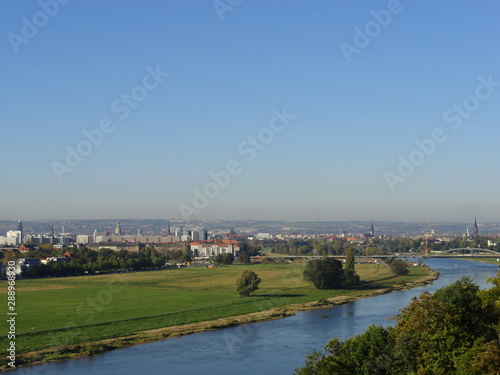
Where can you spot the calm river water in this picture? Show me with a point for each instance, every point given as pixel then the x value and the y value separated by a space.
pixel 273 347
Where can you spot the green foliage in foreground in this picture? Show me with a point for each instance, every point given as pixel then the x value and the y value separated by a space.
pixel 454 331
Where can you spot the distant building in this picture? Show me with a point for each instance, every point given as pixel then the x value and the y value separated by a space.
pixel 12 238
pixel 179 232
pixel 38 239
pixel 475 231
pixel 25 248
pixel 118 229
pixel 83 239
pixel 212 249
pixel 20 230
pixel 117 246
pixel 137 239
pixel 199 235
pixel 25 264
pixel 59 260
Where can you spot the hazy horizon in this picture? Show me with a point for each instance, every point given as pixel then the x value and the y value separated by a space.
pixel 174 220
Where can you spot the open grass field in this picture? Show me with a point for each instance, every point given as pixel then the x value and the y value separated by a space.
pixel 67 311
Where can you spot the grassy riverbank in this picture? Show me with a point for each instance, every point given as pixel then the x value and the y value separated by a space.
pixel 85 315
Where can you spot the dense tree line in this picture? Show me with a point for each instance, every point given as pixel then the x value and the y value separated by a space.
pixel 310 247
pixel 87 261
pixel 374 246
pixel 456 330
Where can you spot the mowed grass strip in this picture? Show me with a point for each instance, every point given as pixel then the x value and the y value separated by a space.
pixel 73 310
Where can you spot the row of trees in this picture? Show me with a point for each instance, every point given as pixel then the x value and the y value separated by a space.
pixel 228 258
pixel 310 247
pixel 86 261
pixel 456 330
pixel 375 246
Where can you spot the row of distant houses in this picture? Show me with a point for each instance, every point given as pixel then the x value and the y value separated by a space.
pixel 207 249
pixel 201 249
pixel 24 264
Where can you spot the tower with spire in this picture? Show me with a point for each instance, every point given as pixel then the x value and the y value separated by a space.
pixel 476 229
pixel 118 229
pixel 372 231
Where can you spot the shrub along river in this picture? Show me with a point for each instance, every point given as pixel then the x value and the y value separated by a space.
pixel 272 347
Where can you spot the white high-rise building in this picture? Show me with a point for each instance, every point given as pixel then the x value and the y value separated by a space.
pixel 13 238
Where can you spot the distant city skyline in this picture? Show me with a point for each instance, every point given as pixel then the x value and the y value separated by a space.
pixel 154 227
pixel 281 110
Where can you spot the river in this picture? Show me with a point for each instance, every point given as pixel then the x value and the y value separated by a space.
pixel 272 347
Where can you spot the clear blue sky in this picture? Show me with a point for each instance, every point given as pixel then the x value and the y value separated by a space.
pixel 229 69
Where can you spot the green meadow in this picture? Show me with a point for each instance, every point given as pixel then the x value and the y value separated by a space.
pixel 74 310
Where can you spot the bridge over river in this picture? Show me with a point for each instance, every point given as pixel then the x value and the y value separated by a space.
pixel 451 253
pixel 476 252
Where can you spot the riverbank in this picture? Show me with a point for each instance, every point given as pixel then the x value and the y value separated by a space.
pixel 64 352
pixel 495 261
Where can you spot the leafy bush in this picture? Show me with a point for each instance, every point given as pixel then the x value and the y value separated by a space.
pixel 247 283
pixel 399 267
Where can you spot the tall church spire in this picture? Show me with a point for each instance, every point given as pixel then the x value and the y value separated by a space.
pixel 476 229
pixel 372 231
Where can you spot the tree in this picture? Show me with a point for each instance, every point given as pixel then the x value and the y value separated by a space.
pixel 324 273
pixel 244 257
pixel 247 282
pixel 434 331
pixel 219 259
pixel 367 353
pixel 338 247
pixel 304 249
pixel 227 258
pixel 398 267
pixel 350 276
pixel 453 331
